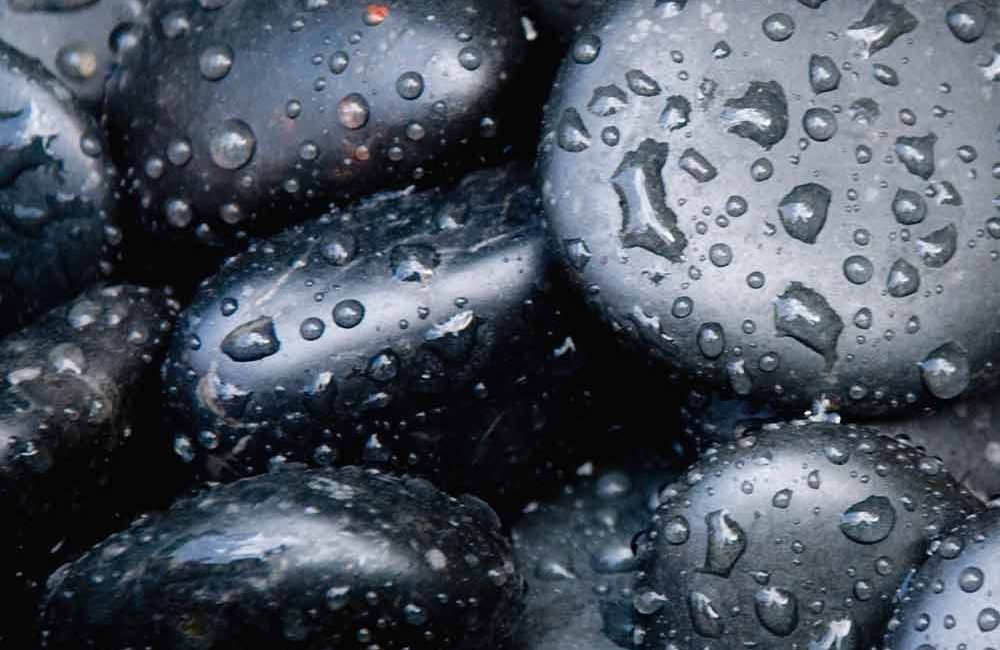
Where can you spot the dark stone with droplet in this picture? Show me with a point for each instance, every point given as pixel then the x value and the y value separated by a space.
pixel 78 392
pixel 775 559
pixel 965 613
pixel 57 202
pixel 269 548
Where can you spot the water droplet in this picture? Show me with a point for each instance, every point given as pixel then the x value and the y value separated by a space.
pixel 410 85
pixel 676 114
pixel 251 341
pixel 869 521
pixel 885 75
pixel 339 249
pixel 779 27
pixel 820 124
pixel 726 543
pixel 232 145
pixel 414 262
pixel 988 619
pixel 183 448
pixel 778 610
pixel 946 372
pixel 858 269
pixel 697 166
pixel 721 50
pixel 909 207
pixel 884 22
pixel 647 221
pixel 761 170
pixel 760 115
pixel 578 253
pixel 807 317
pixel 864 111
pixel 337 598
pixel 824 75
pixel 383 367
pixel 607 101
pixel 648 602
pixel 178 212
pixel 970 580
pixel 904 279
pixel 756 280
pixel 228 306
pixel 77 61
pixel 739 378
pixel 311 329
pixel 937 248
pixel 804 211
pixel 967 20
pixel 348 313
pixel 571 133
pixel 642 84
pixel 353 111
pixel 676 530
pixel 179 152
pixel 917 154
pixel 470 58
pixel 339 61
pixel 704 617
pixel 586 49
pixel 216 62
pixel 682 307
pixel 782 498
pixel 711 340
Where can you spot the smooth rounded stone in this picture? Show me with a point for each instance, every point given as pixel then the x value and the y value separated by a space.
pixel 952 601
pixel 358 336
pixel 829 233
pixel 57 206
pixel 576 553
pixel 248 117
pixel 78 42
pixel 798 536
pixel 305 559
pixel 70 389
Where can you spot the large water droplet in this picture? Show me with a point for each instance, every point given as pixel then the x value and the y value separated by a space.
pixel 711 340
pixel 232 145
pixel 937 248
pixel 820 124
pixel 571 133
pixel 414 262
pixel 586 49
pixel 647 221
pixel 869 521
pixel 858 269
pixel 77 61
pixel 353 111
pixel 778 27
pixel 777 609
pixel 824 75
pixel 726 543
pixel 348 313
pixel 761 114
pixel 917 154
pixel 967 20
pixel 697 166
pixel 410 85
pixel 676 114
pixel 705 618
pixel 946 372
pixel 804 211
pixel 909 207
pixel 216 62
pixel 807 317
pixel 904 279
pixel 252 341
pixel 884 22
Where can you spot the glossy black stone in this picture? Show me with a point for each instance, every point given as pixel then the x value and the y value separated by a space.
pixel 57 207
pixel 306 559
pixel 799 535
pixel 71 403
pixel 750 191
pixel 248 117
pixel 78 42
pixel 952 601
pixel 358 336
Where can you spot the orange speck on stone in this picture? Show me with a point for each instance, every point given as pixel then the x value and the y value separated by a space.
pixel 375 14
